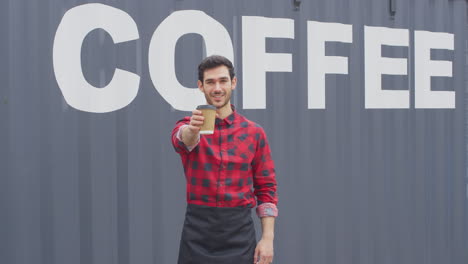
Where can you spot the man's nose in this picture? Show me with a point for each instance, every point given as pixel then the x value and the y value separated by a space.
pixel 217 86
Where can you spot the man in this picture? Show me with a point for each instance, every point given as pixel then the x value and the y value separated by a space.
pixel 227 173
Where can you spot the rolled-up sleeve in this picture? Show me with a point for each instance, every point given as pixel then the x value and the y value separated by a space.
pixel 264 177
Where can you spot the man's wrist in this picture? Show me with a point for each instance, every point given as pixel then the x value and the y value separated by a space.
pixel 189 135
pixel 188 141
pixel 268 237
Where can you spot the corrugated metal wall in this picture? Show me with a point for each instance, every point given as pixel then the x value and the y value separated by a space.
pixel 356 185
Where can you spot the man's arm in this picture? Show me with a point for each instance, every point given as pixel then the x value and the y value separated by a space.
pixel 186 134
pixel 264 177
pixel 265 190
pixel 268 227
pixel 264 250
pixel 191 133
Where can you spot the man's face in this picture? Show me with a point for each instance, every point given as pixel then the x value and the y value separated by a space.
pixel 217 86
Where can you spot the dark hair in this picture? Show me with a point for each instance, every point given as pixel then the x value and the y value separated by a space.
pixel 214 61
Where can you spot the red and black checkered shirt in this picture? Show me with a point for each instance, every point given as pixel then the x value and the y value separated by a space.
pixel 231 167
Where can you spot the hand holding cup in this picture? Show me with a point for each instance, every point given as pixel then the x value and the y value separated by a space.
pixel 209 116
pixel 201 122
pixel 196 121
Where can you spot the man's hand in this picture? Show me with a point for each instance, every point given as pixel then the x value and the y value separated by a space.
pixel 191 132
pixel 264 252
pixel 196 122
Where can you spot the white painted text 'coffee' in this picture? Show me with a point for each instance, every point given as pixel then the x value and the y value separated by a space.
pixel 124 86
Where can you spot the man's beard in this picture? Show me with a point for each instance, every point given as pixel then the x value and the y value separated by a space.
pixel 210 101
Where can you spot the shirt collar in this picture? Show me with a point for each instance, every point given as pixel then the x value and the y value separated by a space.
pixel 232 117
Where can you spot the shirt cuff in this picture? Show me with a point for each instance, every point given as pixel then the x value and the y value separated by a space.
pixel 267 209
pixel 179 137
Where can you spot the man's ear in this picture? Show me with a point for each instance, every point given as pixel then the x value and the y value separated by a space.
pixel 200 86
pixel 234 83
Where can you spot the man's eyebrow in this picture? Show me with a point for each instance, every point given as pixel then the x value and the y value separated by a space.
pixel 220 78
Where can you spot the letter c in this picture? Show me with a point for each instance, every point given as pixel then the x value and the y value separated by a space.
pixel 71 32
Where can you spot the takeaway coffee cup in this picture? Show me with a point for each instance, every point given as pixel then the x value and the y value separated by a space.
pixel 209 112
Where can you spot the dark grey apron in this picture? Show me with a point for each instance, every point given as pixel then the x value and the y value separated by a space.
pixel 217 235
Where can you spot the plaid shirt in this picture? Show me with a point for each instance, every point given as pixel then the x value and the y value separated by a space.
pixel 230 167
